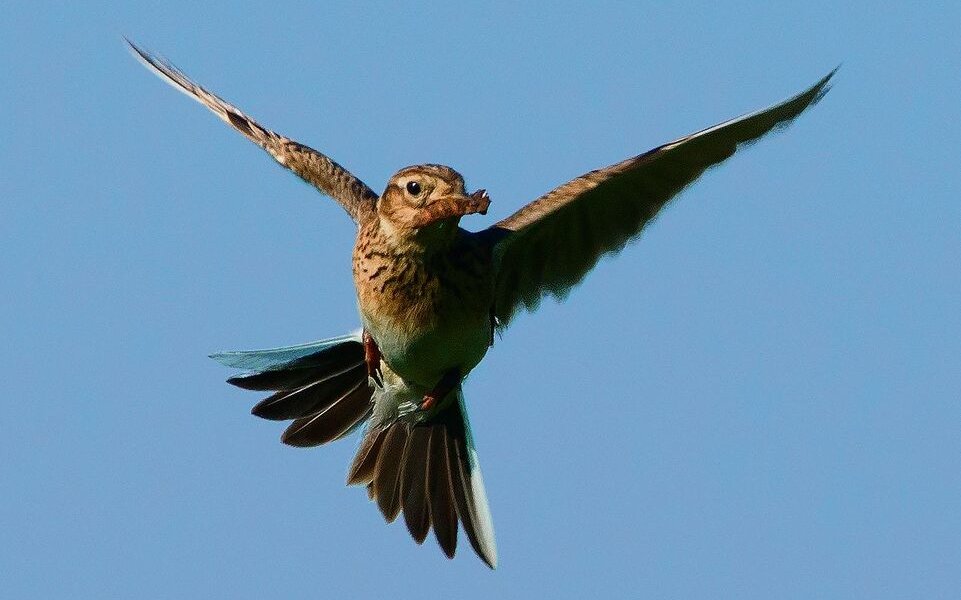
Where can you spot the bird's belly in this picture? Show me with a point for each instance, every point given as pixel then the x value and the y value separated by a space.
pixel 422 356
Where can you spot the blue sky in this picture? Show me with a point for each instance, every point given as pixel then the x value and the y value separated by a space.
pixel 759 398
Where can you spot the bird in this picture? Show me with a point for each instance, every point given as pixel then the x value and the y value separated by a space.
pixel 432 295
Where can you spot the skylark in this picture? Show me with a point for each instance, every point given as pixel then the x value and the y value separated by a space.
pixel 432 295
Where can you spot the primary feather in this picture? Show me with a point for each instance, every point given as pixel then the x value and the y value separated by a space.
pixel 310 165
pixel 549 245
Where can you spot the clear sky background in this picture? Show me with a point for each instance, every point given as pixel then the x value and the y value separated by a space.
pixel 760 398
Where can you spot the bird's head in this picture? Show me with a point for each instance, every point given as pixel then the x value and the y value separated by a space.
pixel 427 201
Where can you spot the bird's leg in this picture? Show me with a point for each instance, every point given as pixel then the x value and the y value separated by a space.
pixel 372 358
pixel 447 383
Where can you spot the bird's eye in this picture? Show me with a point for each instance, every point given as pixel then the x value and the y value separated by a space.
pixel 413 188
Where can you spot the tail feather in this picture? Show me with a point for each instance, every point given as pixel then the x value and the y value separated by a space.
pixel 362 469
pixel 322 386
pixel 387 471
pixel 424 467
pixel 429 470
pixel 471 496
pixel 443 508
pixel 414 499
pixel 274 358
pixel 333 423
pixel 312 398
pixel 302 371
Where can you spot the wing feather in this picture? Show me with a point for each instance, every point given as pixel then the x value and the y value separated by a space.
pixel 310 165
pixel 549 245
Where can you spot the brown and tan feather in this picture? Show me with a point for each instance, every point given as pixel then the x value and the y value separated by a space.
pixel 549 245
pixel 310 165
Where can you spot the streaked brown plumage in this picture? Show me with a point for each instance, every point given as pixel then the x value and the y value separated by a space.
pixel 431 295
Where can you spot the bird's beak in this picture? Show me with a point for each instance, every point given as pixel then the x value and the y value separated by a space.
pixel 452 207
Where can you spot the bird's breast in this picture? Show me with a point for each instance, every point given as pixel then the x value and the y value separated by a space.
pixel 427 316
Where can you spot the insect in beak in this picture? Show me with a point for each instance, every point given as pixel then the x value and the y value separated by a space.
pixel 479 202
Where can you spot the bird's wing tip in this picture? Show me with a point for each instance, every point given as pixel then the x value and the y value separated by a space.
pixel 823 86
pixel 138 52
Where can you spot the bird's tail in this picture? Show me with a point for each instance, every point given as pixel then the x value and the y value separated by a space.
pixel 321 386
pixel 423 464
pixel 428 470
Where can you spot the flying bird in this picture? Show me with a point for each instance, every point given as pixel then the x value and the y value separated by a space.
pixel 432 295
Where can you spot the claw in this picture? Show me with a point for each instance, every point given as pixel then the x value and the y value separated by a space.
pixel 372 358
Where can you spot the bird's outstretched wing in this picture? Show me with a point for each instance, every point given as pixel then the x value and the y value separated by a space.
pixel 310 165
pixel 548 246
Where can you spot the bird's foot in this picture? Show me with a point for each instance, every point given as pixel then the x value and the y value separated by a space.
pixel 372 358
pixel 447 383
pixel 428 402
